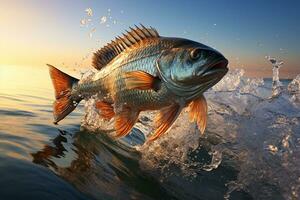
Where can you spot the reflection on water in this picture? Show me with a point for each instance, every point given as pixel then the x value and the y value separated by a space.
pixel 250 149
pixel 25 127
pixel 98 166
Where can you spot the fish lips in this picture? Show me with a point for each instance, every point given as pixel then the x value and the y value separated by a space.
pixel 215 70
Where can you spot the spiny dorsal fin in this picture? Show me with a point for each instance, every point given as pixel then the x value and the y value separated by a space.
pixel 115 47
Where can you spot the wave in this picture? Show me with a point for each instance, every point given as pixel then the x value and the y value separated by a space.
pixel 13 112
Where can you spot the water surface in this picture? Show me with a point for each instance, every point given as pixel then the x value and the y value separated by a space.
pixel 250 150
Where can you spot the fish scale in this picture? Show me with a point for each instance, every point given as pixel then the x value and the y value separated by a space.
pixel 138 98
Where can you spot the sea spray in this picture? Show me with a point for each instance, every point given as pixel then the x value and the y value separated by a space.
pixel 246 132
pixel 294 90
pixel 276 84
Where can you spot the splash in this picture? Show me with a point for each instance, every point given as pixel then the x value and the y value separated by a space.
pixel 256 136
pixel 294 90
pixel 276 84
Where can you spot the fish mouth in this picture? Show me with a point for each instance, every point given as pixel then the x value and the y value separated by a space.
pixel 215 70
pixel 209 77
pixel 218 67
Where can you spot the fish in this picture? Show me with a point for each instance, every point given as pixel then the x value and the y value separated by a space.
pixel 142 71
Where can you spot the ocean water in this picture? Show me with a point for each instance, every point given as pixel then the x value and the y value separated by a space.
pixel 250 150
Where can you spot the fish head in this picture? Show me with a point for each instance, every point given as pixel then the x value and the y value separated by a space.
pixel 190 68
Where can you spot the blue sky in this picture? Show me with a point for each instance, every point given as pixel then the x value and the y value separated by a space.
pixel 34 32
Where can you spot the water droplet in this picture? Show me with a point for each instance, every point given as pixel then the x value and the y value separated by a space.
pixel 83 22
pixel 89 12
pixel 103 19
pixel 273 149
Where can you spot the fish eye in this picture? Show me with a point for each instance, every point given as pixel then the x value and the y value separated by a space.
pixel 195 54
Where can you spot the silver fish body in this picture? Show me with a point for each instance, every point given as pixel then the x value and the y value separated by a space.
pixel 146 57
pixel 144 71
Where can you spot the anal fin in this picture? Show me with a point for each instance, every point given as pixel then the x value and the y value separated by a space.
pixel 125 121
pixel 198 112
pixel 164 120
pixel 141 80
pixel 106 110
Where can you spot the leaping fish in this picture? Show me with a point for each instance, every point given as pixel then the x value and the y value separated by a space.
pixel 140 71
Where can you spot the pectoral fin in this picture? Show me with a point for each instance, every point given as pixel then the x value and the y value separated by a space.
pixel 106 110
pixel 198 112
pixel 125 120
pixel 164 120
pixel 141 80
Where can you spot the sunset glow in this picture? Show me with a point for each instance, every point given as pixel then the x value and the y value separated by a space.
pixel 34 33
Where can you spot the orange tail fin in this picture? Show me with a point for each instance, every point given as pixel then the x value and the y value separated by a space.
pixel 65 103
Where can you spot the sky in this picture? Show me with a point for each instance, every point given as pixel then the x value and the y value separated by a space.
pixel 35 32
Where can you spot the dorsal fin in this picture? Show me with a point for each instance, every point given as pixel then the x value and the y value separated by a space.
pixel 115 47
